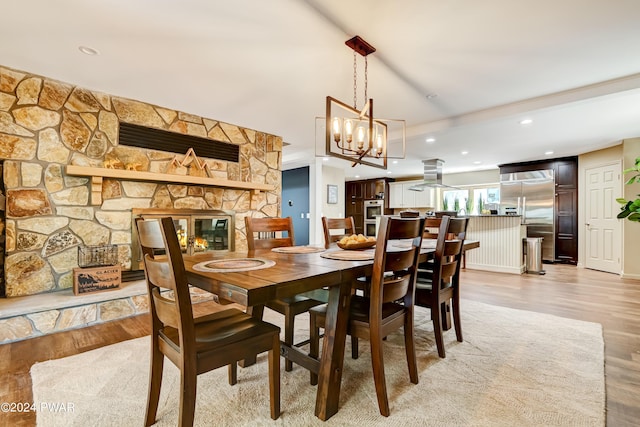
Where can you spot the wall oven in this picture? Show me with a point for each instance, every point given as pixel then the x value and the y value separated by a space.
pixel 372 210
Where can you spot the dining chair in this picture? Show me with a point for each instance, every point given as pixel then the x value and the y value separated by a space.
pixel 195 345
pixel 220 234
pixel 431 227
pixel 437 287
pixel 346 226
pixel 269 233
pixel 390 303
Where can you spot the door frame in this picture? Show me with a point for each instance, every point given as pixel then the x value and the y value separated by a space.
pixel 583 224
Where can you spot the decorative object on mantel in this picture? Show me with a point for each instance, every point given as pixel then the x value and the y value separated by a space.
pixel 355 135
pixel 193 165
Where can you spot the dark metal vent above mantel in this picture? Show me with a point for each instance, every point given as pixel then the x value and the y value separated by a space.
pixel 162 140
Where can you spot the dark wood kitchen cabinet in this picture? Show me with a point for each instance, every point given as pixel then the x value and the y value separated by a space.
pixel 374 189
pixel 354 203
pixel 565 173
pixel 566 177
pixel 356 192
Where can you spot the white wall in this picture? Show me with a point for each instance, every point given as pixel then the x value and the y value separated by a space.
pixel 630 229
pixel 490 176
pixel 320 176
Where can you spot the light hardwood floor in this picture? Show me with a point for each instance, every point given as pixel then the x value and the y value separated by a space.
pixel 564 291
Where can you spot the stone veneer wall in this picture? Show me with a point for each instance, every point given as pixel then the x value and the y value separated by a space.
pixel 2 235
pixel 46 124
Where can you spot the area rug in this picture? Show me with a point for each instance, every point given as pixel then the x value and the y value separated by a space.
pixel 514 368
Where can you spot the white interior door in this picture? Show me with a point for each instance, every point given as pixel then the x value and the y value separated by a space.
pixel 603 229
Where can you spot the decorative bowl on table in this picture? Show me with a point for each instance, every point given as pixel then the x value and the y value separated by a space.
pixel 357 245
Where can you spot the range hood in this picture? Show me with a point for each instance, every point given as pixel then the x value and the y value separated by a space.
pixel 432 176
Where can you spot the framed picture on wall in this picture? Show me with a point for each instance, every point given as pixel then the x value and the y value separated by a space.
pixel 332 194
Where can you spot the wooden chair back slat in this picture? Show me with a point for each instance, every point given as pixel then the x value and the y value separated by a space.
pixel 166 310
pixel 159 272
pixel 431 228
pixel 452 247
pixel 396 287
pixel 399 260
pixel 149 235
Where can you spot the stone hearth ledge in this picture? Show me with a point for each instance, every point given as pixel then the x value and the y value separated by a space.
pixel 35 315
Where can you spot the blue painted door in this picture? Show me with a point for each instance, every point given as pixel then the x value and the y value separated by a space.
pixel 295 201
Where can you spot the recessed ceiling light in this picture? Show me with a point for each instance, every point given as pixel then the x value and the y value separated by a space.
pixel 464 153
pixel 430 140
pixel 389 172
pixel 548 153
pixel 395 162
pixel 325 159
pixel 88 50
pixel 477 162
pixel 526 121
pixel 357 176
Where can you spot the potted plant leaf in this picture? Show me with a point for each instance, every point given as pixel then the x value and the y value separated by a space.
pixel 469 204
pixel 631 208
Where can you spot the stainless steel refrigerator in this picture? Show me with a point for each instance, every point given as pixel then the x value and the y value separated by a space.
pixel 531 194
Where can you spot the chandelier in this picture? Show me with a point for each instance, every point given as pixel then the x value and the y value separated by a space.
pixel 354 134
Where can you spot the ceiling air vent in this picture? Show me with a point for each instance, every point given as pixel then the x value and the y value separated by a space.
pixel 162 140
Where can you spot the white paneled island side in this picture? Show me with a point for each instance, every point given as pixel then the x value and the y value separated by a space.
pixel 501 248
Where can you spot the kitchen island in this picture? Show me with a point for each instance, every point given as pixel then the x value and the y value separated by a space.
pixel 500 238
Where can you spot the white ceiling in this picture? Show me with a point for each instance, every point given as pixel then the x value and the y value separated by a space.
pixel 573 66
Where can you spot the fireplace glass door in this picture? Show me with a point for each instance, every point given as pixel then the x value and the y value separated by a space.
pixel 197 230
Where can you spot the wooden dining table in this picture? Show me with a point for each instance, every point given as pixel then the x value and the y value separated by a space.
pixel 293 274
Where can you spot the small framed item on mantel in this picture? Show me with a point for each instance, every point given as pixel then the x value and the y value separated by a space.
pixel 332 194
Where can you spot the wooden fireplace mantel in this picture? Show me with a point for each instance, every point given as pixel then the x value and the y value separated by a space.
pixel 97 174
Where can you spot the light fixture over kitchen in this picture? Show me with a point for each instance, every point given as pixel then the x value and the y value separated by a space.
pixel 355 135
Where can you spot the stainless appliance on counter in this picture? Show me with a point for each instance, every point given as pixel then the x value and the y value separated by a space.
pixel 372 209
pixel 531 194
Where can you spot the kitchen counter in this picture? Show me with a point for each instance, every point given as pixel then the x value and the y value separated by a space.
pixel 500 239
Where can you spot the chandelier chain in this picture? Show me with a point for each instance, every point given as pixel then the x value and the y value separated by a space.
pixel 365 79
pixel 355 81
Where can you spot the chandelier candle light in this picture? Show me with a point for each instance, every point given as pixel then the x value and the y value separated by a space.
pixel 369 145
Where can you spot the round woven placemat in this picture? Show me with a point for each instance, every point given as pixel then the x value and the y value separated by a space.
pixel 350 255
pixel 298 249
pixel 231 265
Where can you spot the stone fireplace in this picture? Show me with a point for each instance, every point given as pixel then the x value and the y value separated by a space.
pixel 47 125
